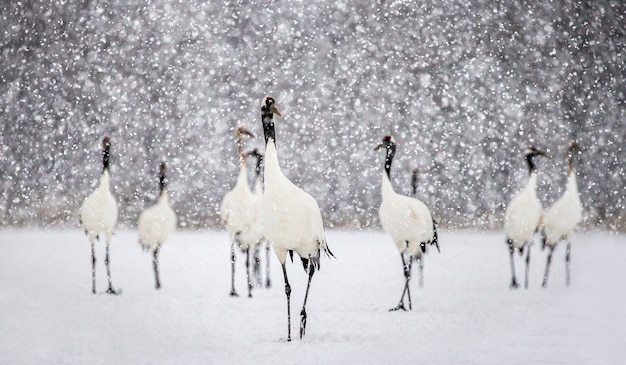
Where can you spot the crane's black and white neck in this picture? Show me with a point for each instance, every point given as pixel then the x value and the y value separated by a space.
pixel 529 154
pixel 390 147
pixel 268 109
pixel 106 153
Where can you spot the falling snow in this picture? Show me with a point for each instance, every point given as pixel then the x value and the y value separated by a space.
pixel 463 86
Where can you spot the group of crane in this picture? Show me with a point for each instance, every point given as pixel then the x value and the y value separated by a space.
pixel 525 216
pixel 280 214
pixel 98 216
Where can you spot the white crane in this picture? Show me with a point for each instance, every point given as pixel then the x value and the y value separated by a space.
pixel 256 227
pixel 98 215
pixel 562 217
pixel 238 214
pixel 407 220
pixel 156 223
pixel 290 218
pixel 522 217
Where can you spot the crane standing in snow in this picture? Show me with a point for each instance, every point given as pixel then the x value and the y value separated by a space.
pixel 256 227
pixel 523 217
pixel 407 220
pixel 157 223
pixel 238 214
pixel 291 218
pixel 562 217
pixel 98 215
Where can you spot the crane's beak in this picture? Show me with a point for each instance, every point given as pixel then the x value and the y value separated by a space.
pixel 274 110
pixel 379 147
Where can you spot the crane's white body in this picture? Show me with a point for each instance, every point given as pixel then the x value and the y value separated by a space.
pixel 98 213
pixel 290 218
pixel 407 220
pixel 156 223
pixel 523 215
pixel 563 216
pixel 238 212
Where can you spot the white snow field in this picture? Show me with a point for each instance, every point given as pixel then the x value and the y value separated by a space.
pixel 464 314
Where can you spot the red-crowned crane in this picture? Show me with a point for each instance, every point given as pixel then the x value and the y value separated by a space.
pixel 291 218
pixel 98 215
pixel 256 227
pixel 562 217
pixel 238 214
pixel 522 217
pixel 407 220
pixel 156 223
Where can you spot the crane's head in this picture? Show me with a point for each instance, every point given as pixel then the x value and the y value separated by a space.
pixel 532 152
pixel 388 142
pixel 268 107
pixel 243 131
pixel 573 146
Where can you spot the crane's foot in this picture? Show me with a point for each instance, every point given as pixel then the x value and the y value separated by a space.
pixel 233 294
pixel 302 322
pixel 398 307
pixel 112 291
pixel 514 284
pixel 268 283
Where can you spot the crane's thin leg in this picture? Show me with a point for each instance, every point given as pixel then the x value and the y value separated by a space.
pixel 268 281
pixel 567 262
pixel 407 276
pixel 93 265
pixel 248 272
pixel 408 288
pixel 306 295
pixel 420 262
pixel 527 265
pixel 288 293
pixel 107 263
pixel 514 284
pixel 544 284
pixel 233 258
pixel 257 267
pixel 155 262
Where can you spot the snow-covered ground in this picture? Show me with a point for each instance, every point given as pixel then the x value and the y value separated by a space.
pixel 465 314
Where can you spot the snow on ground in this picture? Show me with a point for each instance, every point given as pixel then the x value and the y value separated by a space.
pixel 465 314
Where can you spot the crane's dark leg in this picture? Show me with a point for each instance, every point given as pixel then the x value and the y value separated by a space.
pixel 93 265
pixel 233 258
pixel 420 263
pixel 567 262
pixel 514 284
pixel 544 284
pixel 527 265
pixel 257 267
pixel 248 272
pixel 408 287
pixel 268 281
pixel 306 295
pixel 407 276
pixel 155 262
pixel 288 293
pixel 107 263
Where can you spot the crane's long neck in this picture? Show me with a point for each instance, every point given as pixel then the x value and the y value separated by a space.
pixel 268 126
pixel 391 151
pixel 257 169
pixel 162 182
pixel 531 164
pixel 570 161
pixel 106 153
pixel 242 157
